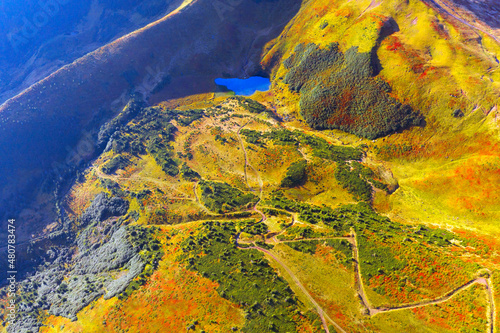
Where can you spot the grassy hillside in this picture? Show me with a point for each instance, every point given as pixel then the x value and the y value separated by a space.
pixel 301 258
pixel 358 194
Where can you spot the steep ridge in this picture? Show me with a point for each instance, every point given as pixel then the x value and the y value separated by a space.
pixel 409 55
pixel 480 16
pixel 39 37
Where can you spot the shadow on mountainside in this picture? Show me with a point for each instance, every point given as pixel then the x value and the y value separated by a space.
pixel 49 131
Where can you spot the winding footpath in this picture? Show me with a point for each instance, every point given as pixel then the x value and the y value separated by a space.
pixel 371 311
pixel 322 314
pixel 197 198
pixel 319 309
pixel 359 285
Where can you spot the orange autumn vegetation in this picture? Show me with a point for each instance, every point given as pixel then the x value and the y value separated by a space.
pixel 172 299
pixel 463 313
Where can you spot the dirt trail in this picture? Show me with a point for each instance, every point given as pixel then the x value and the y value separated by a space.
pixel 310 239
pixel 320 311
pixel 376 310
pixel 492 313
pixel 323 315
pixel 198 201
pixel 248 165
pixel 360 288
pixel 244 152
pixel 438 300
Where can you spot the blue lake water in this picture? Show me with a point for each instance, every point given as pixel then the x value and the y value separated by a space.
pixel 245 87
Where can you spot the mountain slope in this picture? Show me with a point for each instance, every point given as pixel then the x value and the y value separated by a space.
pixel 359 195
pixel 177 55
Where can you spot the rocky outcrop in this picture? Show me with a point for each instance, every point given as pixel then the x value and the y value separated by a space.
pixel 104 207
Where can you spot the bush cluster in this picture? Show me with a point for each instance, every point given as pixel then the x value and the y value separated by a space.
pixel 353 182
pixel 295 174
pixel 244 277
pixel 337 91
pixel 307 213
pixel 352 175
pixel 222 197
pixel 189 174
pixel 249 104
pixel 116 163
pixel 148 130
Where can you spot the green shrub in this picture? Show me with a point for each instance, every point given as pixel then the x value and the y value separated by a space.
pixel 353 182
pixel 244 277
pixel 337 91
pixel 249 104
pixel 222 197
pixel 253 137
pixel 186 117
pixel 189 174
pixel 113 187
pixel 116 163
pixel 163 156
pixel 295 174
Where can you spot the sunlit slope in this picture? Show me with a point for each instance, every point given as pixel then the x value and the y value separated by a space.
pixel 443 69
pixel 326 246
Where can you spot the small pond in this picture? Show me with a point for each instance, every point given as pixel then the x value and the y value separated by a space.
pixel 245 87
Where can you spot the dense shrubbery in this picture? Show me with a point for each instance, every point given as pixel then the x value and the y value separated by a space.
pixel 310 246
pixel 307 213
pixel 253 228
pixel 253 137
pixel 299 232
pixel 163 155
pixel 151 130
pixel 133 107
pixel 321 148
pixel 362 218
pixel 373 232
pixel 355 177
pixel 222 197
pixel 116 163
pixel 376 260
pixel 186 117
pixel 275 212
pixel 295 174
pixel 358 180
pixel 142 194
pixel 113 187
pixel 338 92
pixel 353 182
pixel 189 174
pixel 244 277
pixel 249 104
